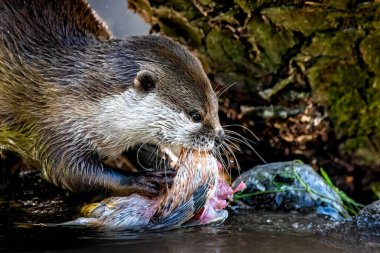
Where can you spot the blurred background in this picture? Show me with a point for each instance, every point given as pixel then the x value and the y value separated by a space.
pixel 120 20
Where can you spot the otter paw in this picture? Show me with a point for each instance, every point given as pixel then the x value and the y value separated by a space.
pixel 151 183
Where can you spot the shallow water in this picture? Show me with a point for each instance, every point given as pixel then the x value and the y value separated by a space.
pixel 248 231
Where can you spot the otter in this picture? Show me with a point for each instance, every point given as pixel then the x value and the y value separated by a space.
pixel 78 96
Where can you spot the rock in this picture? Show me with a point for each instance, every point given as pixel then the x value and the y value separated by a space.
pixel 364 227
pixel 286 186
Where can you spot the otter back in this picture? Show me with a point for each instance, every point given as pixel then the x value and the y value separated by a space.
pixel 80 96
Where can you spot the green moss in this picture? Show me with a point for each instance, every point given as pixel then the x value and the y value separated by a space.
pixel 214 44
pixel 208 3
pixel 227 17
pixel 235 50
pixel 346 109
pixel 186 8
pixel 372 96
pixel 273 44
pixel 202 24
pixel 375 187
pixel 337 85
pixel 238 79
pixel 143 7
pixel 363 148
pixel 337 4
pixel 245 5
pixel 340 44
pixel 306 20
pixel 340 84
pixel 257 4
pixel 370 51
pixel 174 24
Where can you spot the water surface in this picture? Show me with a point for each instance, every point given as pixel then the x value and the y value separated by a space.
pixel 248 231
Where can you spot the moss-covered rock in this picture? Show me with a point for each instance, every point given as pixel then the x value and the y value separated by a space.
pixel 304 20
pixel 269 44
pixel 370 50
pixel 340 44
pixel 329 49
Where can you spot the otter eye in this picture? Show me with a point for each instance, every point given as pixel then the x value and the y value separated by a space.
pixel 195 116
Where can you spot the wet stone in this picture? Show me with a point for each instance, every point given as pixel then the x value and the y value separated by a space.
pixel 364 227
pixel 286 186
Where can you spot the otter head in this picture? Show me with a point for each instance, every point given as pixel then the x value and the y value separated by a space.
pixel 171 101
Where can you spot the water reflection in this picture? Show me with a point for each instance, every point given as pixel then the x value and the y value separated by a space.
pixel 243 232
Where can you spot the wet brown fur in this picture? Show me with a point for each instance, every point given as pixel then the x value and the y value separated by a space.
pixel 58 62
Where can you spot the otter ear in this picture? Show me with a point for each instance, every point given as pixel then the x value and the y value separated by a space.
pixel 145 80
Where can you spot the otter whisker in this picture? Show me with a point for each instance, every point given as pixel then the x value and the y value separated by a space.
pixel 245 128
pixel 233 155
pixel 225 89
pixel 159 160
pixel 232 144
pixel 237 140
pixel 218 155
pixel 218 86
pixel 230 138
pixel 236 134
pixel 158 157
pixel 137 156
pixel 243 140
pixel 227 167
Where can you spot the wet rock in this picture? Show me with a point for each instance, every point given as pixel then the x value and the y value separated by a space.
pixel 305 20
pixel 363 227
pixel 286 186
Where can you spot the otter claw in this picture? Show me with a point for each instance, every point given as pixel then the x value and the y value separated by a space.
pixel 161 178
pixel 150 183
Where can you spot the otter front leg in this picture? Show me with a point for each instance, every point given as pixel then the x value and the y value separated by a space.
pixel 92 176
pixel 148 183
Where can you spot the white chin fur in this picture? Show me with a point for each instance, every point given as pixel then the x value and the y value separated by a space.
pixel 132 118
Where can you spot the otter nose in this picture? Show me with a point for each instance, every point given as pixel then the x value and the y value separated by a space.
pixel 219 137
